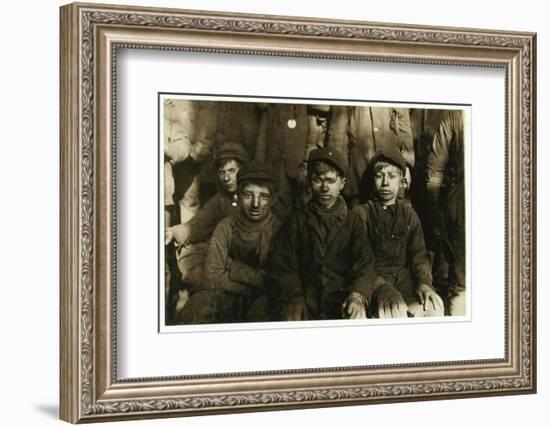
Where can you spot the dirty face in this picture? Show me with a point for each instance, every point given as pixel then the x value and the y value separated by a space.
pixel 227 175
pixel 387 182
pixel 255 201
pixel 326 187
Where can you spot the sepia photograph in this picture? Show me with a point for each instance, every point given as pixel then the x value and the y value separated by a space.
pixel 285 210
pixel 268 212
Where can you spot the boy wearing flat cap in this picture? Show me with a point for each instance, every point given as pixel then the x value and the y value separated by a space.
pixel 229 158
pixel 191 237
pixel 403 270
pixel 322 265
pixel 237 254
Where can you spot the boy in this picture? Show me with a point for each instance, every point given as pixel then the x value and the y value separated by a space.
pixel 403 270
pixel 322 265
pixel 191 236
pixel 237 254
pixel 359 132
pixel 229 158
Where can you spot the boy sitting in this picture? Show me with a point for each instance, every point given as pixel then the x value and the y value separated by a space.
pixel 322 265
pixel 237 253
pixel 191 237
pixel 403 270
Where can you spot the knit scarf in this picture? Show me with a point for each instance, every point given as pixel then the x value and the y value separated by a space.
pixel 256 230
pixel 329 218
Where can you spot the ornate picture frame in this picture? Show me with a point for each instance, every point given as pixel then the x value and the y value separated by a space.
pixel 90 37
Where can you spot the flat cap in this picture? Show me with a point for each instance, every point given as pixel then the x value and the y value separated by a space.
pixel 391 156
pixel 231 150
pixel 330 156
pixel 257 171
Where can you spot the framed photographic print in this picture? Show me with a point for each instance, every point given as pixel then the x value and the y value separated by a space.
pixel 266 212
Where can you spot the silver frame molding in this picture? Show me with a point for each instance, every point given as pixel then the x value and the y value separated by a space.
pixel 90 36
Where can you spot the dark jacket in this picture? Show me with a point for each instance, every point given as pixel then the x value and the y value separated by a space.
pixel 284 147
pixel 238 122
pixel 445 184
pixel 220 206
pixel 202 225
pixel 322 270
pixel 445 166
pixel 445 162
pixel 397 240
pixel 245 273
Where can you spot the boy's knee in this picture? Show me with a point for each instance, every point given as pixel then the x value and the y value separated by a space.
pixel 457 304
pixel 417 310
pixel 259 310
pixel 200 308
pixel 190 262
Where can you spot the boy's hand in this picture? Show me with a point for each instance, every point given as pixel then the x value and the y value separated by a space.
pixel 354 307
pixel 179 233
pixel 296 309
pixel 427 295
pixel 168 236
pixel 407 179
pixel 391 304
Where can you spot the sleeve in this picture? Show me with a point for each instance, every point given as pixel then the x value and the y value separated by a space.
pixel 216 267
pixel 283 269
pixel 436 165
pixel 419 263
pixel 338 138
pixel 404 132
pixel 260 151
pixel 176 139
pixel 363 274
pixel 204 222
pixel 317 127
pixel 243 273
pixel 439 155
pixel 207 126
pixel 168 184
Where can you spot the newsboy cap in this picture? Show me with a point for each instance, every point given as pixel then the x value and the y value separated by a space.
pixel 330 156
pixel 391 156
pixel 257 171
pixel 231 150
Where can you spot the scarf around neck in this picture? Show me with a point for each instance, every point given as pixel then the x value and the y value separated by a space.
pixel 249 230
pixel 329 218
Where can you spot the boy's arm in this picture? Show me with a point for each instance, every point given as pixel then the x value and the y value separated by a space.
pixel 243 273
pixel 417 256
pixel 283 269
pixel 217 263
pixel 420 267
pixel 438 158
pixel 201 226
pixel 363 274
pixel 387 300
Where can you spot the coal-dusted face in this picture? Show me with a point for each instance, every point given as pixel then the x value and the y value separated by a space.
pixel 326 187
pixel 227 175
pixel 387 182
pixel 255 201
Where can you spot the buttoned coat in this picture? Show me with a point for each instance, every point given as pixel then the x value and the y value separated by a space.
pixel 322 270
pixel 397 240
